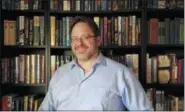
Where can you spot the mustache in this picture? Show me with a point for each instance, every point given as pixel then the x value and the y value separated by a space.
pixel 81 46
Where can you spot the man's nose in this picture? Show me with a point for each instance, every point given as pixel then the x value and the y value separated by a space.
pixel 80 41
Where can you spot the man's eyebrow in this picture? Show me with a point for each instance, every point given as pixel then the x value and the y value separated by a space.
pixel 74 36
pixel 84 35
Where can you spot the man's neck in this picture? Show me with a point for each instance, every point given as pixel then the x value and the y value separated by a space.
pixel 87 65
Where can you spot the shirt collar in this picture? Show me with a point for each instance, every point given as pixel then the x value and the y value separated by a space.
pixel 100 61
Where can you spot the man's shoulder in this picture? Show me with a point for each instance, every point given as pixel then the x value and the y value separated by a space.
pixel 65 67
pixel 59 73
pixel 114 64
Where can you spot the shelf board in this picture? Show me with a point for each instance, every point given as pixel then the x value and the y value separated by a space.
pixel 22 12
pixel 103 47
pixel 11 51
pixel 116 49
pixel 165 13
pixel 173 89
pixel 121 47
pixel 23 47
pixel 60 47
pixel 177 49
pixel 24 88
pixel 166 86
pixel 165 10
pixel 28 85
pixel 64 47
pixel 166 46
pixel 166 49
pixel 89 13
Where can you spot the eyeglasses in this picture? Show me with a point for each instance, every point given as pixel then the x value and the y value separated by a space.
pixel 83 38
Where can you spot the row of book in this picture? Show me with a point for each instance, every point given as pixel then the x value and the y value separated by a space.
pixel 165 4
pixel 24 31
pixel 60 31
pixel 94 5
pixel 164 102
pixel 15 102
pixel 24 69
pixel 30 69
pixel 166 32
pixel 165 69
pixel 89 5
pixel 113 30
pixel 23 4
pixel 120 30
pixel 130 60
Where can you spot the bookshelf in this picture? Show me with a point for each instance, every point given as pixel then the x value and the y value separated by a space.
pixel 20 84
pixel 142 12
pixel 167 20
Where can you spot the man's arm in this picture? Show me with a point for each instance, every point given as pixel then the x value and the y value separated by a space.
pixel 47 103
pixel 133 94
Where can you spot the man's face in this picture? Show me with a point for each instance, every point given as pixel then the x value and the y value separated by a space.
pixel 84 44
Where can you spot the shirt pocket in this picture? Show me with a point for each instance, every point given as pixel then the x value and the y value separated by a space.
pixel 93 99
pixel 66 98
pixel 99 99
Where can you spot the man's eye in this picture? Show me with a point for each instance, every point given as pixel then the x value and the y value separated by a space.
pixel 86 37
pixel 72 38
pixel 76 39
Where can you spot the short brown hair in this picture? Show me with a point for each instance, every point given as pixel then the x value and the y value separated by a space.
pixel 87 20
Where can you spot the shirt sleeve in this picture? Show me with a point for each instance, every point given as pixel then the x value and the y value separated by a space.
pixel 47 103
pixel 133 95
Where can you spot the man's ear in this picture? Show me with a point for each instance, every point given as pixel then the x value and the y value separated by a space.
pixel 99 41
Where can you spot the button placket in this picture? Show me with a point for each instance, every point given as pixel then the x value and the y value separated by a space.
pixel 84 78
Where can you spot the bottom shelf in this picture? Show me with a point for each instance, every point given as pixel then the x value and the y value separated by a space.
pixel 174 89
pixel 166 97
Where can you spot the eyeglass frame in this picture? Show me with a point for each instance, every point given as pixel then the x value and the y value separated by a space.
pixel 76 39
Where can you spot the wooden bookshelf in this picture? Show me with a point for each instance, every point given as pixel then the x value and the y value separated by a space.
pixel 144 12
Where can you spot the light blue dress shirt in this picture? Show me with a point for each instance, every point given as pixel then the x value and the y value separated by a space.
pixel 109 85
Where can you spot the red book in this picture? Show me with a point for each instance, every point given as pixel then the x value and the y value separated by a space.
pixel 179 67
pixel 4 103
pixel 153 32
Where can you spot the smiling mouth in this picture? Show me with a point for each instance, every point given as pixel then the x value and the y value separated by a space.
pixel 80 49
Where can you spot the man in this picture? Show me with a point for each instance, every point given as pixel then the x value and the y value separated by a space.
pixel 93 81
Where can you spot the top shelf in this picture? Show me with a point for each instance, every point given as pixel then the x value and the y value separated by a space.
pixel 98 13
pixel 6 12
pixel 151 13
